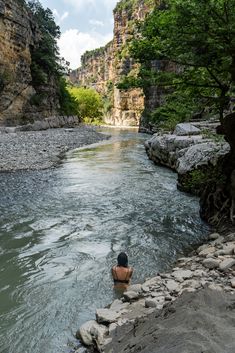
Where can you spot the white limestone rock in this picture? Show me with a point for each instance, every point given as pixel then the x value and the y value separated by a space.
pixel 191 284
pixel 199 273
pixel 228 249
pixel 131 295
pixel 201 154
pixel 154 302
pixel 227 264
pixel 214 286
pixel 211 263
pixel 186 129
pixel 233 282
pixel 182 274
pixel 207 251
pixel 172 286
pixel 91 330
pixel 107 316
pixel 118 305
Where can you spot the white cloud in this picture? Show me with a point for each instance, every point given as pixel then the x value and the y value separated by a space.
pixel 60 18
pixel 96 23
pixel 73 44
pixel 80 4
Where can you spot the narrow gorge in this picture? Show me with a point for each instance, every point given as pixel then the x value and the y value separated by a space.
pixel 105 67
pixel 155 179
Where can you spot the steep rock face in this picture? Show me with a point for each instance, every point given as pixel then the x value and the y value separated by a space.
pixel 18 34
pixel 104 67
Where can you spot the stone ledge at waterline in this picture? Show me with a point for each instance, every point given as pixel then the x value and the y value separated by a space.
pixel 191 309
pixel 185 153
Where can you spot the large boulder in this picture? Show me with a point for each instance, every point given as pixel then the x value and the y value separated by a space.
pixel 201 155
pixel 166 149
pixel 186 129
pixel 91 331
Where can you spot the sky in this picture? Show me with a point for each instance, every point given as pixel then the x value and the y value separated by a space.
pixel 84 24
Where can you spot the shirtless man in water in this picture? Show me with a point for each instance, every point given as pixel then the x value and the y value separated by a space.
pixel 122 272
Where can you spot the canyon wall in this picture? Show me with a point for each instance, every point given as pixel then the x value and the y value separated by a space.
pixel 103 68
pixel 18 35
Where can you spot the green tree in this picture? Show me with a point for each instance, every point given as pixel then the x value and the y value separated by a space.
pixel 47 68
pixel 68 103
pixel 195 39
pixel 45 56
pixel 89 102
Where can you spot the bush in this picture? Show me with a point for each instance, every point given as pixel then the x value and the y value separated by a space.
pixel 89 102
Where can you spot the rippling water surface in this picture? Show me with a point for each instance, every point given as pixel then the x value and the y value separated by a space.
pixel 61 230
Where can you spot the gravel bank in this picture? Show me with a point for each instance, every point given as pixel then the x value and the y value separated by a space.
pixel 34 150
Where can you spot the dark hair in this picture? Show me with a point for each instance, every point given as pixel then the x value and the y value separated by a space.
pixel 122 259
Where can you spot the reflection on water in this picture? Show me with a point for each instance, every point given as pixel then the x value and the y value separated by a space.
pixel 61 231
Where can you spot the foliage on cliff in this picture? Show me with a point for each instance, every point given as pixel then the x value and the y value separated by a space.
pixel 198 38
pixel 94 53
pixel 130 5
pixel 47 68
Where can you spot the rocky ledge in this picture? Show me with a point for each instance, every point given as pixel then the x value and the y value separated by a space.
pixel 34 150
pixel 188 150
pixel 191 309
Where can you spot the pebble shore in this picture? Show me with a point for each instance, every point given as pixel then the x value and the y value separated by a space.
pixel 34 150
pixel 205 281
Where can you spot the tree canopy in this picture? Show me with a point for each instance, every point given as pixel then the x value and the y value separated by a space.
pixel 45 56
pixel 47 68
pixel 90 104
pixel 197 38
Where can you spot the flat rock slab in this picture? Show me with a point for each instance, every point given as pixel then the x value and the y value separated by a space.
pixel 182 274
pixel 106 316
pixel 186 129
pixel 131 295
pixel 175 329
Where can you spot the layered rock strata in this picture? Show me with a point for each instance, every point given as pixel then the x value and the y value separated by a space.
pixel 189 153
pixel 103 68
pixel 18 35
pixel 208 273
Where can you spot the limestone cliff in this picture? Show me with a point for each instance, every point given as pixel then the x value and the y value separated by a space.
pixel 18 35
pixel 103 68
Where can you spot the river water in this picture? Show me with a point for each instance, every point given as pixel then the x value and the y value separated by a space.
pixel 61 231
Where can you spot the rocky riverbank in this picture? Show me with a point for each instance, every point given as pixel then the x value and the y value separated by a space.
pixel 194 153
pixel 191 309
pixel 34 150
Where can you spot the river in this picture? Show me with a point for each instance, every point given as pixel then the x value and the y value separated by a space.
pixel 62 229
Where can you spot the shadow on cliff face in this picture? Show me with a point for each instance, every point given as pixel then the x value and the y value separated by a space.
pixel 217 204
pixel 198 322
